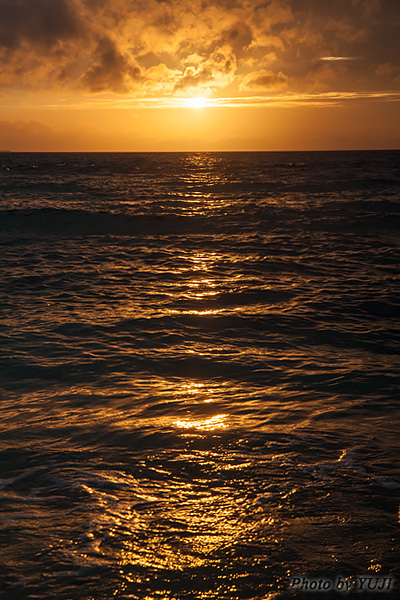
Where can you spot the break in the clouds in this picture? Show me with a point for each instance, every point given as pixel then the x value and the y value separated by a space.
pixel 162 47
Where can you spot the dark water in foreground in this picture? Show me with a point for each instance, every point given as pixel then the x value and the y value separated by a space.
pixel 200 374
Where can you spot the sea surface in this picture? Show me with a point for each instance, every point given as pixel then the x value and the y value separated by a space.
pixel 199 375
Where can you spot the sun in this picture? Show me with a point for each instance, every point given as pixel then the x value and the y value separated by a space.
pixel 198 102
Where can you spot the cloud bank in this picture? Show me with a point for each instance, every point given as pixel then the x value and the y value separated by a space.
pixel 183 47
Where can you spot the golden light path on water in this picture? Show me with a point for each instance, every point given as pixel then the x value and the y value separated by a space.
pixel 178 524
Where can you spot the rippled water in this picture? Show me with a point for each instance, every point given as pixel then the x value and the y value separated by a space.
pixel 200 373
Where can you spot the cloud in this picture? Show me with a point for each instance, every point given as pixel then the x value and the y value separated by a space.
pixel 208 71
pixel 387 70
pixel 264 80
pixel 369 7
pixel 150 47
pixel 237 37
pixel 160 79
pixel 28 134
pixel 42 23
pixel 337 58
pixel 113 71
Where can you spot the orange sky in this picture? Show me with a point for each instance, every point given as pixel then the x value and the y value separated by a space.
pixel 118 75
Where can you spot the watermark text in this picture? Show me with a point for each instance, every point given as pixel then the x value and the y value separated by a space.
pixel 303 583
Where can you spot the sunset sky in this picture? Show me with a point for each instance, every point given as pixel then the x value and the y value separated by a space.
pixel 161 75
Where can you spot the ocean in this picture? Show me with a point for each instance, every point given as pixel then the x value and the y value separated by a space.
pixel 199 375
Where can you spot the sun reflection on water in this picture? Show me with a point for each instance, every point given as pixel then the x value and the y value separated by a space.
pixel 184 531
pixel 205 284
pixel 217 422
pixel 205 185
pixel 194 507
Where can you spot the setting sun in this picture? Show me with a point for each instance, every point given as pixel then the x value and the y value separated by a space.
pixel 198 102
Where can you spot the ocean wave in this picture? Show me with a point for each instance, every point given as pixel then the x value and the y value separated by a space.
pixel 75 223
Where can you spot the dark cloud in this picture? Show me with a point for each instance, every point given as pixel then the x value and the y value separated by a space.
pixel 238 38
pixel 37 22
pixel 265 80
pixel 113 71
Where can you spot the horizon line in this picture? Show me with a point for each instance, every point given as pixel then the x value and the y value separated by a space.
pixel 397 149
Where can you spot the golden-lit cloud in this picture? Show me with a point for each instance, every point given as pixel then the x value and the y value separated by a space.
pixel 337 58
pixel 120 45
pixel 215 70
